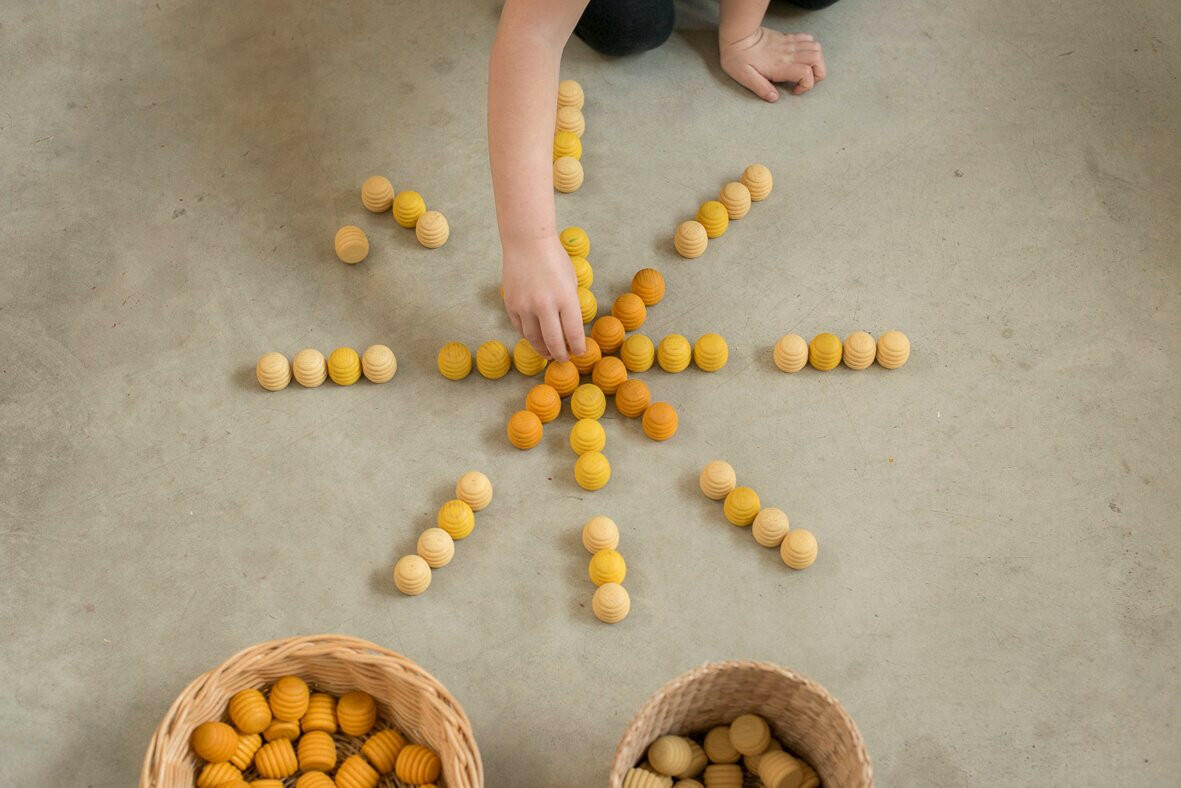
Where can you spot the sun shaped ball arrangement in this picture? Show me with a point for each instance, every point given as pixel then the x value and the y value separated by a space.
pixel 600 533
pixel 674 353
pixel 289 698
pixel 456 518
pixel 527 360
pixel 585 362
pixel 587 435
pixel 588 402
pixel 524 429
pixel 648 284
pixel 412 575
pixel 630 310
pixel 736 197
pixel 710 353
pixel 690 239
pixel 214 741
pixel 660 421
pixel 273 371
pixel 568 174
pixel 344 366
pixel 893 349
pixel 454 361
pixel 351 244
pixel 611 603
pixel 717 479
pixel 575 241
pixel 408 206
pixel 607 566
pixel 321 713
pixel 798 549
pixel 741 506
pixel 824 352
pixel 713 217
pixel 544 401
pixel 637 353
pixel 592 471
pixel 588 306
pixel 432 230
pixel 563 376
pixel 378 364
pixel 436 547
pixel 858 350
pixel 570 119
pixel 632 398
pixel 570 94
pixel 377 194
pixel 583 272
pixel 757 179
pixel 791 353
pixel 608 333
pixel 309 368
pixel 609 374
pixel 770 526
pixel 474 489
pixel 493 360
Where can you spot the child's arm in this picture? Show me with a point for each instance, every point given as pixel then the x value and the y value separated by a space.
pixel 539 284
pixel 755 56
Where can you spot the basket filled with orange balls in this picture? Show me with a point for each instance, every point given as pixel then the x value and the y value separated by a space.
pixel 324 711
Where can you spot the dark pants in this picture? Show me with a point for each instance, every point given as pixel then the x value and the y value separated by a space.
pixel 624 27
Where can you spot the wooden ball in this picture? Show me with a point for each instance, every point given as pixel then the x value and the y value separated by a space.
pixel 215 775
pixel 568 174
pixel 314 780
pixel 214 741
pixel 791 353
pixel 276 759
pixel 717 479
pixel 575 241
pixel 741 506
pixel 377 194
pixel 432 229
pixel 309 368
pixel 412 576
pixel 344 366
pixel 757 179
pixel 378 363
pixel 289 699
pixel 585 362
pixel 670 755
pixel 798 549
pixel 607 566
pixel 355 772
pixel 570 119
pixel 660 421
pixel 567 145
pixel 777 769
pixel 493 360
pixel 436 547
pixel 824 352
pixel 454 361
pixel 527 360
pixel 632 398
pixel 630 310
pixel 474 489
pixel 691 239
pixel 583 272
pixel 711 353
pixel 563 376
pixel 608 332
pixel 248 744
pixel 648 284
pixel 750 734
pixel 524 429
pixel 736 197
pixel 674 353
pixel 382 748
pixel 637 353
pixel 408 206
pixel 456 518
pixel 713 217
pixel 600 533
pixel 357 711
pixel 893 349
pixel 587 435
pixel 592 471
pixel 588 306
pixel 611 603
pixel 770 527
pixel 545 401
pixel 417 765
pixel 859 350
pixel 321 713
pixel 609 374
pixel 273 372
pixel 351 244
pixel 723 775
pixel 570 94
pixel 588 402
pixel 249 711
pixel 317 752
pixel 718 747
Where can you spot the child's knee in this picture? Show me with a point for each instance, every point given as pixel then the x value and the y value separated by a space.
pixel 624 33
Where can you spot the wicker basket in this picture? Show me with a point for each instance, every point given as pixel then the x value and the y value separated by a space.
pixel 407 697
pixel 806 719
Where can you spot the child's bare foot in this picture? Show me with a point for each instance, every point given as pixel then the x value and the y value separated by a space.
pixel 766 56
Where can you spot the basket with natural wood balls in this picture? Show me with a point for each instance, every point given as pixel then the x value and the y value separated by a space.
pixel 408 700
pixel 802 716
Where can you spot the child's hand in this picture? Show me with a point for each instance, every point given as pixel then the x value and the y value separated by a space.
pixel 767 56
pixel 541 296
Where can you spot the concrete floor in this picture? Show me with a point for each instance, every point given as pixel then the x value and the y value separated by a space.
pixel 996 595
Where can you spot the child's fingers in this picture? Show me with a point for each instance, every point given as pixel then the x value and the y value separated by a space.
pixel 806 82
pixel 531 329
pixel 757 83
pixel 818 69
pixel 572 326
pixel 799 73
pixel 800 36
pixel 551 330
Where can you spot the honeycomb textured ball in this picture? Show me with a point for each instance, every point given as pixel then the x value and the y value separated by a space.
pixel 630 310
pixel 642 778
pixel 568 174
pixel 723 775
pixel 587 435
pixel 273 371
pixel 309 368
pixel 527 360
pixel 281 729
pixel 611 603
pixel 648 284
pixel 317 752
pixel 674 353
pixel 670 755
pixel 592 471
pixel 351 244
pixel 637 353
pixel 344 366
pixel 588 402
pixel 377 194
pixel 567 145
pixel 417 765
pixel 570 94
pixel 408 206
pixel 757 179
pixel 456 518
pixel 357 711
pixel 524 429
pixel 799 549
pixel 600 533
pixel 436 547
pixel 699 762
pixel 632 398
pixel 432 230
pixel 777 769
pixel 276 759
pixel 791 353
pixel 454 361
pixel 736 197
pixel 474 489
pixel 824 352
pixel 248 744
pixel 587 305
pixel 378 363
pixel 769 527
pixel 660 421
pixel 563 376
pixel 609 374
pixel 249 711
pixel 215 775
pixel 859 350
pixel 493 360
pixel 314 780
pixel 750 734
pixel 717 479
pixel 289 698
pixel 545 401
pixel 713 217
pixel 585 362
pixel 215 742
pixel 893 349
pixel 710 353
pixel 355 772
pixel 608 332
pixel 321 713
pixel 691 239
pixel 570 119
pixel 412 576
pixel 607 566
pixel 718 747
pixel 575 241
pixel 382 748
pixel 741 506
pixel 583 271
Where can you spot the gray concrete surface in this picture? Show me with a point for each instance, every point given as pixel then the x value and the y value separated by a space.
pixel 996 595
